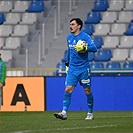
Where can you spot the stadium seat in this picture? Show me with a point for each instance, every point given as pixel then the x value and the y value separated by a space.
pixel 128 65
pixel 5 30
pixel 101 29
pixel 130 56
pixel 100 5
pixel 5 6
pixel 118 29
pixel 2 18
pixel 129 30
pixel 36 6
pixel 91 56
pixel 126 42
pixel 98 41
pixel 6 55
pixel 29 18
pixel 116 5
pixel 65 56
pixel 120 55
pixel 88 28
pixel 109 17
pixel 93 18
pixel 128 5
pixel 110 42
pixel 125 17
pixel 1 42
pixel 113 66
pixel 20 6
pixel 103 55
pixel 12 43
pixel 12 18
pixel 61 66
pixel 20 30
pixel 97 66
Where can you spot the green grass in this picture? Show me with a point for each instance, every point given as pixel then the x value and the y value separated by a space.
pixel 44 122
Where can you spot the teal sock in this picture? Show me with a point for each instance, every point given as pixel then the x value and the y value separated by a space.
pixel 67 100
pixel 90 101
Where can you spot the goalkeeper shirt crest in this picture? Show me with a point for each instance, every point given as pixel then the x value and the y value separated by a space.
pixel 79 61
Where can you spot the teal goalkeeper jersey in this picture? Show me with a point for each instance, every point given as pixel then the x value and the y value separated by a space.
pixel 79 61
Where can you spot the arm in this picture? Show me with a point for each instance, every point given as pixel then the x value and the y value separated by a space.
pixel 3 76
pixel 91 45
pixel 67 58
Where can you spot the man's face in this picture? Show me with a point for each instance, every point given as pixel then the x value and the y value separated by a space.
pixel 74 27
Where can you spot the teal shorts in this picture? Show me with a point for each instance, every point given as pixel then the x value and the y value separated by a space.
pixel 83 77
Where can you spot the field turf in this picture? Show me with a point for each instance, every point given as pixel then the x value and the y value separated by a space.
pixel 45 122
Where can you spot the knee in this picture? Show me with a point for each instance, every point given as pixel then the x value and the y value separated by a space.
pixel 69 89
pixel 87 90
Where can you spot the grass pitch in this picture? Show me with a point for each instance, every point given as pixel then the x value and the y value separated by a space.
pixel 45 122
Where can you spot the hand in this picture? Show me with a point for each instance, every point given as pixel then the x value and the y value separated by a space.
pixel 67 64
pixel 66 69
pixel 1 85
pixel 81 46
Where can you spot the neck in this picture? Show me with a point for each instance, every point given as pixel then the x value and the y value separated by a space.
pixel 77 32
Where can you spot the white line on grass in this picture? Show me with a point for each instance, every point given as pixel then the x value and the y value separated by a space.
pixel 61 129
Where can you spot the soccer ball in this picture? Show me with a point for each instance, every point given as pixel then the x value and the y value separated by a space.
pixel 82 45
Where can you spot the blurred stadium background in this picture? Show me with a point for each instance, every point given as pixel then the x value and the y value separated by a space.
pixel 33 34
pixel 33 45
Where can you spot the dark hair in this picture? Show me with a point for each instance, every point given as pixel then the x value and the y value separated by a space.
pixel 78 21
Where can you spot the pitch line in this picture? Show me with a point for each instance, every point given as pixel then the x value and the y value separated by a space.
pixel 61 129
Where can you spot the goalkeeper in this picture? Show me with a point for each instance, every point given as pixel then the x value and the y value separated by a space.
pixel 79 44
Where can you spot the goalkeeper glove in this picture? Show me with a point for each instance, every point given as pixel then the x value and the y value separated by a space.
pixel 67 64
pixel 66 69
pixel 81 47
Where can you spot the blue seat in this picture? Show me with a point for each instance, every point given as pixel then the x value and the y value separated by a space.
pixel 100 5
pixel 93 18
pixel 91 56
pixel 88 28
pixel 103 55
pixel 65 56
pixel 61 66
pixel 2 18
pixel 98 41
pixel 36 6
pixel 129 30
pixel 113 66
pixel 97 66
pixel 128 65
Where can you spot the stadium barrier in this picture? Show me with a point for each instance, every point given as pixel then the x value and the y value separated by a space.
pixel 24 94
pixel 45 93
pixel 31 71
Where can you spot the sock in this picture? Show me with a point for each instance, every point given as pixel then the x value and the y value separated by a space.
pixel 67 101
pixel 90 100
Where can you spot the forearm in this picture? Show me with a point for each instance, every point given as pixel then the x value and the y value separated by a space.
pixel 92 48
pixel 67 56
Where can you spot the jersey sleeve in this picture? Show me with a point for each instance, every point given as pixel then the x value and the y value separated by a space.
pixel 3 76
pixel 91 45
